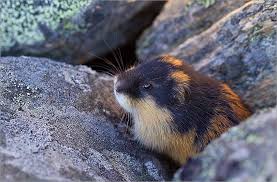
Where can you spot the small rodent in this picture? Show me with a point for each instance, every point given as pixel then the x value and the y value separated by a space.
pixel 176 110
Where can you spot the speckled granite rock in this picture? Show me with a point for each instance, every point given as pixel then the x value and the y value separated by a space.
pixel 72 31
pixel 179 20
pixel 241 50
pixel 50 129
pixel 246 153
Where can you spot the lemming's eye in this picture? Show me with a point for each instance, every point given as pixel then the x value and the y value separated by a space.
pixel 147 86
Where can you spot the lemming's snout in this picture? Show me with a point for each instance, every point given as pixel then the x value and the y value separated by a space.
pixel 121 86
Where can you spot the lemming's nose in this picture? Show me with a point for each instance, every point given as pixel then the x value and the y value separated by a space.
pixel 121 86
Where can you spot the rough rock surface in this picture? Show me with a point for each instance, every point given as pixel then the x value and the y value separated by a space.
pixel 71 31
pixel 50 129
pixel 239 49
pixel 246 153
pixel 179 20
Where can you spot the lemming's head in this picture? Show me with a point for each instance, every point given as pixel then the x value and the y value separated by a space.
pixel 161 81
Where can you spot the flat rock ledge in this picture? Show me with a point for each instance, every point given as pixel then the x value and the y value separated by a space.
pixel 54 126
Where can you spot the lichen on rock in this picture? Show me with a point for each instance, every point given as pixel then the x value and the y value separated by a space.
pixel 20 20
pixel 207 3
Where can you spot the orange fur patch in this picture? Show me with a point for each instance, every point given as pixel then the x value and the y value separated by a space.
pixel 235 102
pixel 180 77
pixel 182 80
pixel 172 60
pixel 219 124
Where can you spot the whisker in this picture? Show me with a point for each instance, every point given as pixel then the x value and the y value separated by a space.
pixel 106 70
pixel 114 55
pixel 128 122
pixel 121 59
pixel 122 117
pixel 106 61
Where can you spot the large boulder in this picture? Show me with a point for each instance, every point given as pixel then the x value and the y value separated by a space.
pixel 180 20
pixel 245 153
pixel 72 31
pixel 239 49
pixel 56 125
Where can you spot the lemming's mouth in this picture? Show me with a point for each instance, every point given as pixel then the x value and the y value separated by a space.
pixel 123 101
pixel 121 98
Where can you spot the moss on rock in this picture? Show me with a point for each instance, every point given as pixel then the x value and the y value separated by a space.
pixel 20 19
pixel 206 3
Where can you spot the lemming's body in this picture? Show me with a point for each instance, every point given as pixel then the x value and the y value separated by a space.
pixel 176 110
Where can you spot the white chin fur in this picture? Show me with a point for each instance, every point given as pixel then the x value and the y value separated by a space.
pixel 123 101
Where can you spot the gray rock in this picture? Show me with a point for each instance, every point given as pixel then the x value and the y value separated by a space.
pixel 51 130
pixel 180 20
pixel 71 30
pixel 245 153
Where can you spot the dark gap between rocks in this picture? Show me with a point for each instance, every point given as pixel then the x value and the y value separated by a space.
pixel 125 53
